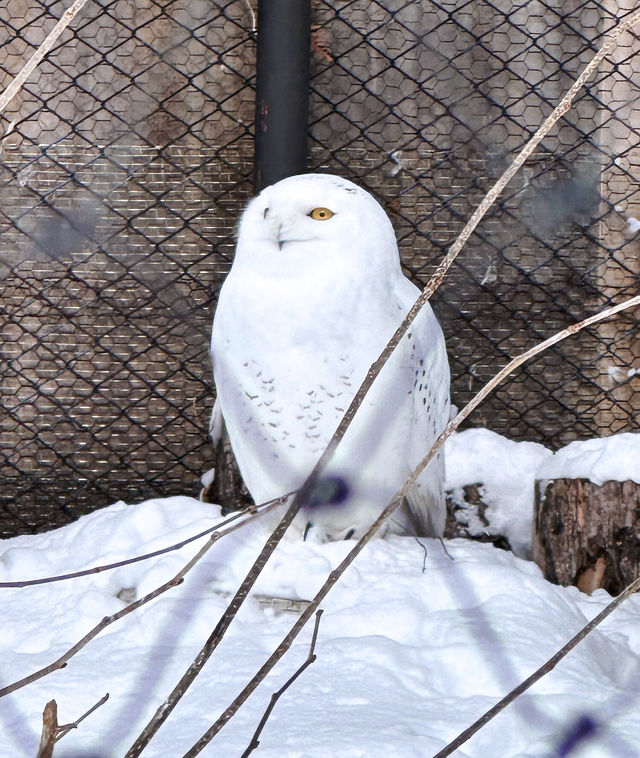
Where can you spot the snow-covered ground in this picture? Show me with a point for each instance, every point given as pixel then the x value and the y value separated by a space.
pixel 411 650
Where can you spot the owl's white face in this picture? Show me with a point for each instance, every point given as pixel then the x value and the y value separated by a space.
pixel 313 218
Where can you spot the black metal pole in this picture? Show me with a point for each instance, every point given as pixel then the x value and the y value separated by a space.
pixel 282 89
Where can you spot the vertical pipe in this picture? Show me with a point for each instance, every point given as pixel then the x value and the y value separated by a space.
pixel 282 89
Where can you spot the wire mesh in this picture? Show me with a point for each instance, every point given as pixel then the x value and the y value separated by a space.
pixel 127 157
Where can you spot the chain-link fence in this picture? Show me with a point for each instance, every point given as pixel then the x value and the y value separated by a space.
pixel 127 157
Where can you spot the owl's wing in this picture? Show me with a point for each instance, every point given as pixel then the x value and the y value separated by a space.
pixel 216 424
pixel 223 483
pixel 216 432
pixel 431 411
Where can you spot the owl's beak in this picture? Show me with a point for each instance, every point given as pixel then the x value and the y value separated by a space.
pixel 280 234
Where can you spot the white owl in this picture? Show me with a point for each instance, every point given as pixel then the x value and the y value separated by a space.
pixel 314 294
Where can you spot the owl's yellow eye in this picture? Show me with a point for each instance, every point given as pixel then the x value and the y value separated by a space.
pixel 321 214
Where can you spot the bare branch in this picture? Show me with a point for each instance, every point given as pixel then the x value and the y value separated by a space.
pixel 49 730
pixel 62 730
pixel 301 496
pixel 162 713
pixel 62 661
pixel 52 731
pixel 631 302
pixel 255 741
pixel 491 196
pixel 16 85
pixel 333 577
pixel 110 566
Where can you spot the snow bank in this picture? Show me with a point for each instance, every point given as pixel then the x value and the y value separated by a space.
pixel 507 470
pixel 410 650
pixel 604 459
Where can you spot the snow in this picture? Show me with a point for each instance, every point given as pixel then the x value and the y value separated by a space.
pixel 410 650
pixel 603 459
pixel 622 373
pixel 633 224
pixel 507 471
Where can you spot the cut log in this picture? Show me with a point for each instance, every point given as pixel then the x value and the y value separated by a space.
pixel 588 534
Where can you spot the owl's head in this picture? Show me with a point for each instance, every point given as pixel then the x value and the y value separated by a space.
pixel 308 216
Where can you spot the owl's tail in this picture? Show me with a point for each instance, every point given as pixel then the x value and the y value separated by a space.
pixel 426 500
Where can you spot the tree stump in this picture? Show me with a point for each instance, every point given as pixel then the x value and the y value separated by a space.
pixel 588 534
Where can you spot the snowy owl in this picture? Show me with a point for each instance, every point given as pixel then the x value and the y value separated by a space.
pixel 314 294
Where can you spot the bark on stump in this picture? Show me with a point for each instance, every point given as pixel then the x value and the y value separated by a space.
pixel 588 534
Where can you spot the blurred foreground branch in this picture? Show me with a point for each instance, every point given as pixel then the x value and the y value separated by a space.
pixel 539 673
pixel 16 85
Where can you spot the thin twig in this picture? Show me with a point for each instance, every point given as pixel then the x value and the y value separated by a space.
pixel 333 577
pixel 162 713
pixel 255 740
pixel 249 512
pixel 539 673
pixel 62 661
pixel 631 302
pixel 66 728
pixel 16 85
pixel 107 566
pixel 210 645
pixel 52 731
